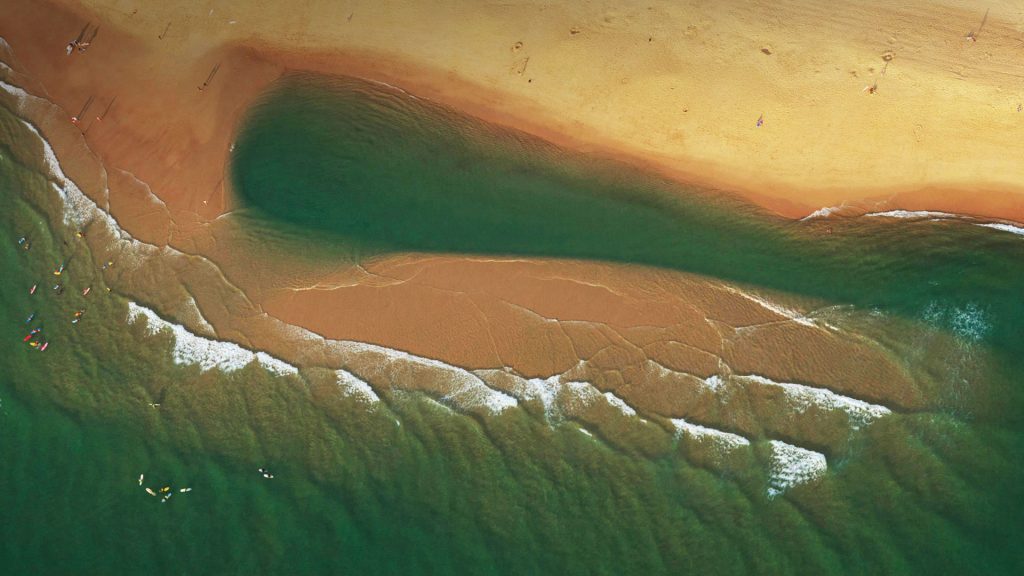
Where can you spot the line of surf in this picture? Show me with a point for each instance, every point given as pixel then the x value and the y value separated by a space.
pixel 191 349
pixel 803 397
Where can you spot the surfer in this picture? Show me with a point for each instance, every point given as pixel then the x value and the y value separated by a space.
pixel 33 289
pixel 266 473
pixel 86 291
pixel 30 317
pixel 43 347
pixel 141 476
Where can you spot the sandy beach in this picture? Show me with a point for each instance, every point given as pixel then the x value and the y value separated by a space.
pixel 675 87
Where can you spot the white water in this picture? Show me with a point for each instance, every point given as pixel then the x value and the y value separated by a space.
pixel 1005 228
pixel 724 439
pixel 802 397
pixel 190 349
pixel 791 465
pixel 467 390
pixel 912 214
pixel 354 386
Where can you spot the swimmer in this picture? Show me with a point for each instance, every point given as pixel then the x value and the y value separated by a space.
pixel 185 490
pixel 165 489
pixel 30 317
pixel 141 476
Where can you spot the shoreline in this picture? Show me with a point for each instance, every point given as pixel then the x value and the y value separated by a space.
pixel 255 61
pixel 173 211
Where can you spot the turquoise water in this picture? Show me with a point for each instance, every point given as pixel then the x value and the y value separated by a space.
pixel 361 170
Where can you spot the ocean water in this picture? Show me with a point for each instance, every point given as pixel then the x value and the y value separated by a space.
pixel 407 485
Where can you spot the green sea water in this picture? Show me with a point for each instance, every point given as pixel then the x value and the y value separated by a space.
pixel 358 170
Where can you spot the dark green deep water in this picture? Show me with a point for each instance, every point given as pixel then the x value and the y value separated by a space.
pixel 356 170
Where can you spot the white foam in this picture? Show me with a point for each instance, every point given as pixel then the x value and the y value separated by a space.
pixel 466 389
pixel 722 438
pixel 969 322
pixel 802 397
pixel 773 307
pixel 620 404
pixel 714 383
pixel 1005 228
pixel 912 214
pixel 543 389
pixel 190 349
pixel 354 386
pixel 823 212
pixel 791 465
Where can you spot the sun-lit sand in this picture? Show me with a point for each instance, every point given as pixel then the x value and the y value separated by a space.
pixel 678 87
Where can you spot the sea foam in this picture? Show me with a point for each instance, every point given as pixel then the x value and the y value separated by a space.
pixel 722 438
pixel 190 349
pixel 912 214
pixel 356 387
pixel 803 397
pixel 466 389
pixel 1005 228
pixel 791 465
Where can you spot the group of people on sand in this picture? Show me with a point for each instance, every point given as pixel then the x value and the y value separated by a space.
pixel 81 43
